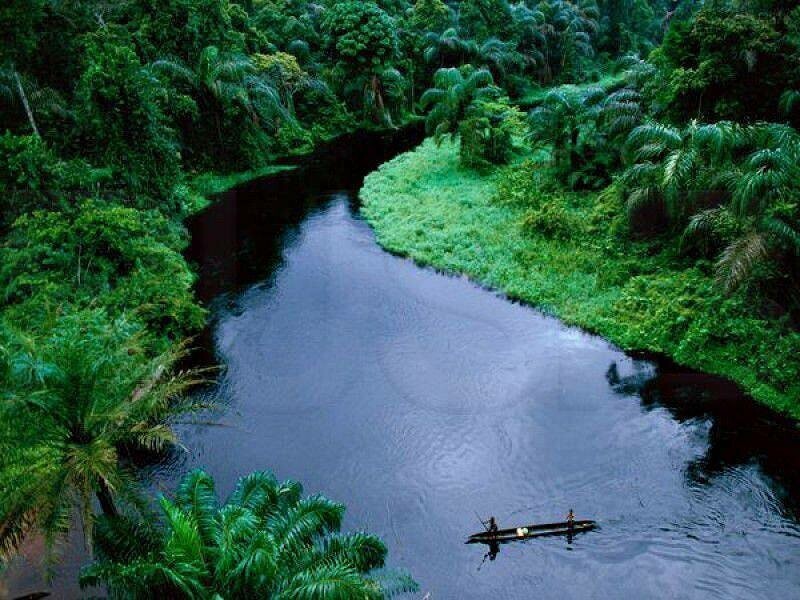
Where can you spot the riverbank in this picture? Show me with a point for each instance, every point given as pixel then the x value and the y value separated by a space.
pixel 568 258
pixel 203 186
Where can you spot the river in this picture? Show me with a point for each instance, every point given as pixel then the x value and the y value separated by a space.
pixel 420 400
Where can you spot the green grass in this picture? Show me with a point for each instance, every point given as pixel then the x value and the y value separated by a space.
pixel 207 184
pixel 567 254
pixel 203 185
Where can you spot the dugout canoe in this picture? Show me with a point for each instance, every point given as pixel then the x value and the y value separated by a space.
pixel 530 531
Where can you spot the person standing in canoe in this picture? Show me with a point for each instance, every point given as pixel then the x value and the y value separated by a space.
pixel 571 519
pixel 492 525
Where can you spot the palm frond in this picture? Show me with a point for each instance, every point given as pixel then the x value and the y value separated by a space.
pixel 643 198
pixel 737 261
pixel 393 582
pixel 788 101
pixel 652 135
pixel 362 551
pixel 197 496
pixel 309 518
pixel 782 231
pixel 332 582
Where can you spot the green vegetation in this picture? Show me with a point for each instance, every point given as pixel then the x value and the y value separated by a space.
pixel 571 254
pixel 209 183
pixel 112 118
pixel 80 403
pixel 265 541
pixel 661 208
pixel 643 216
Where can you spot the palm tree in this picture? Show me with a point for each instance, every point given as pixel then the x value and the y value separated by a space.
pixel 529 36
pixel 222 84
pixel 620 112
pixel 683 169
pixel 790 99
pixel 265 541
pixel 284 72
pixel 21 92
pixel 567 28
pixel 380 91
pixel 78 404
pixel 498 57
pixel 448 49
pixel 453 92
pixel 768 230
pixel 582 128
pixel 731 186
pixel 556 122
pixel 637 71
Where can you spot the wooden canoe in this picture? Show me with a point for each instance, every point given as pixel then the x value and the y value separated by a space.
pixel 530 531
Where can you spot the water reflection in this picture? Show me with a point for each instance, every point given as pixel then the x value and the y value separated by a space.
pixel 740 433
pixel 493 547
pixel 416 398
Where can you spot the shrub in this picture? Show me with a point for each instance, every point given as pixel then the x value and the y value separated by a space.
pixel 119 257
pixel 553 220
pixel 488 134
pixel 32 177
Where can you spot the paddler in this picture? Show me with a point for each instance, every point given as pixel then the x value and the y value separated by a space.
pixel 571 519
pixel 492 525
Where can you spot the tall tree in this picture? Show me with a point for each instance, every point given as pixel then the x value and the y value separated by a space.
pixel 453 91
pixel 362 38
pixel 75 404
pixel 231 105
pixel 121 120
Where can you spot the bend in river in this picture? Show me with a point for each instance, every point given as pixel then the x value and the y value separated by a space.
pixel 419 399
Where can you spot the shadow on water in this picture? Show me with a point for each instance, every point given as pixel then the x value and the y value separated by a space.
pixel 415 398
pixel 740 431
pixel 237 240
pixel 243 237
pixel 687 474
pixel 240 239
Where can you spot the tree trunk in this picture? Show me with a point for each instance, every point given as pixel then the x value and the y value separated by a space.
pixel 376 93
pixel 25 104
pixel 106 501
pixel 573 148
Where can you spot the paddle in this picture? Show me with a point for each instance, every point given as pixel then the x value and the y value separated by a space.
pixel 485 526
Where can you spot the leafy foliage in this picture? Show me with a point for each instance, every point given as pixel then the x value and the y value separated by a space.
pixel 122 121
pixel 569 253
pixel 362 38
pixel 692 248
pixel 125 259
pixel 734 190
pixel 223 92
pixel 453 93
pixel 265 541
pixel 431 15
pixel 76 402
pixel 33 177
pixel 728 63
pixel 488 133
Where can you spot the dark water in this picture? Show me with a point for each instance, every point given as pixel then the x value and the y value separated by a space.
pixel 419 399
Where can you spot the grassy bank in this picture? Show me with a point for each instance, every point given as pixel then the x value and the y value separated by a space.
pixel 205 185
pixel 566 254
